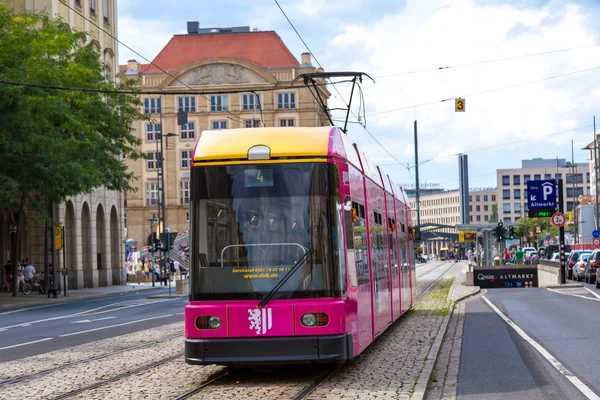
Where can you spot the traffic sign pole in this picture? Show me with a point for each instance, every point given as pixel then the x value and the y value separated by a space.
pixel 561 235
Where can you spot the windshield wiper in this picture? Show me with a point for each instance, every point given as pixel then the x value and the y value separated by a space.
pixel 287 276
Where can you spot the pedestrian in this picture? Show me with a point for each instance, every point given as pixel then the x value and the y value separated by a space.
pixel 138 270
pixel 177 269
pixel 506 256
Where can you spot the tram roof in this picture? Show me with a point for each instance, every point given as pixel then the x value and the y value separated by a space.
pixel 234 144
pixel 285 142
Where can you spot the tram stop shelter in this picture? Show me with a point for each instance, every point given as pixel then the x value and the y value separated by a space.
pixel 485 238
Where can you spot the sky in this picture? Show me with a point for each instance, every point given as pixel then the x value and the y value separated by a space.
pixel 518 105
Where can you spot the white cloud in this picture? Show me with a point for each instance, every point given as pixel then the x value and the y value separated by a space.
pixel 146 37
pixel 457 32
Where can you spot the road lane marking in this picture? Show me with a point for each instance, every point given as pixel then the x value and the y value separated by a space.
pixel 25 344
pixel 586 391
pixel 108 296
pixel 87 313
pixel 572 294
pixel 115 326
pixel 592 292
pixel 85 321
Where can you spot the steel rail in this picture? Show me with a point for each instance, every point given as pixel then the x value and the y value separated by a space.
pixel 202 386
pixel 86 360
pixel 117 377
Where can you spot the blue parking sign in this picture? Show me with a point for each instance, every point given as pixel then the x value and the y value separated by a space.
pixel 596 234
pixel 541 195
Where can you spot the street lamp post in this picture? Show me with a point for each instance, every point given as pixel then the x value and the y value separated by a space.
pixel 152 221
pixel 162 202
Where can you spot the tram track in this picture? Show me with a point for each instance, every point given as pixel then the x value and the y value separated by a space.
pixel 316 382
pixel 87 360
pixel 435 281
pixel 115 378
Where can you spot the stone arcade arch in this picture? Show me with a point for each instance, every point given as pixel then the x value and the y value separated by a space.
pixel 86 247
pixel 101 261
pixel 115 262
pixel 71 244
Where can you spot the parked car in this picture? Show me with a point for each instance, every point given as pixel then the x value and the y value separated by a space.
pixel 531 257
pixel 572 259
pixel 591 267
pixel 579 266
pixel 555 256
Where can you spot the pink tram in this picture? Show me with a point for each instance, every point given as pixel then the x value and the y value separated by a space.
pixel 301 248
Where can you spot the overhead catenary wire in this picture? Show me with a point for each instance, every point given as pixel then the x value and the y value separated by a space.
pixel 338 92
pixel 493 60
pixel 154 92
pixel 144 58
pixel 486 91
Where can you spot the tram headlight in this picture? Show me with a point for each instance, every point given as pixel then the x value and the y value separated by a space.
pixel 206 322
pixel 318 319
pixel 309 319
pixel 214 322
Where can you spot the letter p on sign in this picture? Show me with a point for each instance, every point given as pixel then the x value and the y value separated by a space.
pixel 547 190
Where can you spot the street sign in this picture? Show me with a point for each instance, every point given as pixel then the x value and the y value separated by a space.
pixel 531 234
pixel 596 242
pixel 559 219
pixel 541 198
pixel 461 237
pixel 596 233
pixel 538 230
pixel 459 105
pixel 59 238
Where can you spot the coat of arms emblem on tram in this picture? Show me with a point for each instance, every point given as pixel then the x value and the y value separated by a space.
pixel 261 319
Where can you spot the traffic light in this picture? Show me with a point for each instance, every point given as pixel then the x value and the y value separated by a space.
pixel 500 232
pixel 511 232
pixel 167 239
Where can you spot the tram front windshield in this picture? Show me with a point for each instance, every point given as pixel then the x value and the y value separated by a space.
pixel 252 223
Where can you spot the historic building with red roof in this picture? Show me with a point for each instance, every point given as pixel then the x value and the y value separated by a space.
pixel 251 71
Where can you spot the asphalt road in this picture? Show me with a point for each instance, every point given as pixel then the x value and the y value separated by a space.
pixel 497 363
pixel 39 329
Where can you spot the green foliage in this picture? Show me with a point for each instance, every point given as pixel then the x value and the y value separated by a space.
pixel 55 144
pixel 527 225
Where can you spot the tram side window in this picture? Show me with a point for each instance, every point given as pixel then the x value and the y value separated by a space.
pixel 351 261
pixel 379 247
pixel 403 244
pixel 392 239
pixel 360 244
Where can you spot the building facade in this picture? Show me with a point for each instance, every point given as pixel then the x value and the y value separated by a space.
pixel 481 205
pixel 249 73
pixel 93 223
pixel 443 208
pixel 512 185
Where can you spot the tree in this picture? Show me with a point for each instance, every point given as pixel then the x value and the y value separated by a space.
pixel 494 214
pixel 59 143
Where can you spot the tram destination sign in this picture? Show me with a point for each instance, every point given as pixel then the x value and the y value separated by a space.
pixel 541 198
pixel 506 278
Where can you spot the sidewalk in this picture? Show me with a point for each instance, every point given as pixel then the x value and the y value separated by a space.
pixel 7 301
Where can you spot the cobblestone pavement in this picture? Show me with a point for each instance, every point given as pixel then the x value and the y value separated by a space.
pixel 30 365
pixel 443 381
pixel 390 367
pixel 247 384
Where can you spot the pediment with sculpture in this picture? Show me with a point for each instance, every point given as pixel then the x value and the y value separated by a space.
pixel 219 74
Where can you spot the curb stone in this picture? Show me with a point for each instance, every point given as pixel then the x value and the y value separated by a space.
pixel 166 296
pixel 421 387
pixel 559 286
pixel 467 295
pixel 67 298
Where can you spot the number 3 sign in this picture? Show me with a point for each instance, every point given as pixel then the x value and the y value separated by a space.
pixel 459 105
